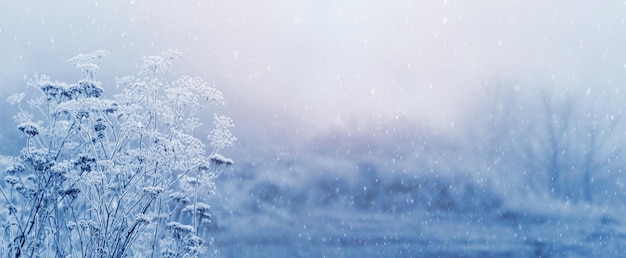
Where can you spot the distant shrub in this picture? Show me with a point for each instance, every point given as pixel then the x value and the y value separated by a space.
pixel 113 177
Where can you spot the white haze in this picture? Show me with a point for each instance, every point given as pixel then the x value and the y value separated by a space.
pixel 302 67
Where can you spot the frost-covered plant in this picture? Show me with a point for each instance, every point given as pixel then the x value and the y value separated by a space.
pixel 114 177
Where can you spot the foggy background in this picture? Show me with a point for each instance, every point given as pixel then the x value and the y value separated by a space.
pixel 378 128
pixel 298 68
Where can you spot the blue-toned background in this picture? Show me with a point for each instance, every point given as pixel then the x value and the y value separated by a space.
pixel 378 128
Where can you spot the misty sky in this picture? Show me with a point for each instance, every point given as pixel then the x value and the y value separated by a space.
pixel 305 66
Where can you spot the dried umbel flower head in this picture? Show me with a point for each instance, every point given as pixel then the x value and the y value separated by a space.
pixel 12 180
pixel 30 129
pixel 16 98
pixel 16 169
pixel 114 168
pixel 219 159
pixel 221 136
pixel 180 229
pixel 152 191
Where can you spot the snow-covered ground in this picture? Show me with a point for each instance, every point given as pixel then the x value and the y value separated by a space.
pixel 322 205
pixel 420 234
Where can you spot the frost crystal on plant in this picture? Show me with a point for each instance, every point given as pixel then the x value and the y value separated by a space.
pixel 218 160
pixel 16 98
pixel 109 174
pixel 30 129
pixel 221 136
